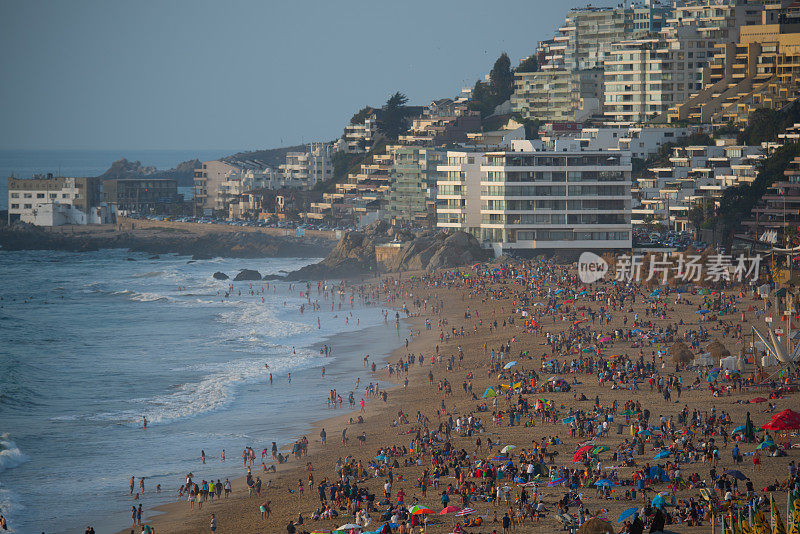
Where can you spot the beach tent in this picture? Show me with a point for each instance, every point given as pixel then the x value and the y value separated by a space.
pixel 769 361
pixel 731 363
pixel 489 393
pixel 704 360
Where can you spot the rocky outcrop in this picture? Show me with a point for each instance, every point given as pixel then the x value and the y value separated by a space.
pixel 354 255
pixel 199 246
pixel 247 275
pixel 183 173
pixel 220 276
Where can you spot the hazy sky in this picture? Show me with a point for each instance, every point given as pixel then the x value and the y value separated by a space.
pixel 240 74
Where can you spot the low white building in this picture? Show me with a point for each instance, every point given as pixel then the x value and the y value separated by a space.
pixel 56 201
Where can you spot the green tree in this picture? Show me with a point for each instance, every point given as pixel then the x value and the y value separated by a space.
pixel 696 216
pixel 501 79
pixel 529 64
pixel 393 119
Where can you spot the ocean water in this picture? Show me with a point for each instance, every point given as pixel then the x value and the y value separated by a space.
pixel 91 342
pixel 26 163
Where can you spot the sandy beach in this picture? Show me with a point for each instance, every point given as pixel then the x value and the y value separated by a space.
pixel 466 329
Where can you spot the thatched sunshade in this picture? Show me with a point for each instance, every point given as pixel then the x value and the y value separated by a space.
pixel 717 350
pixel 597 526
pixel 681 353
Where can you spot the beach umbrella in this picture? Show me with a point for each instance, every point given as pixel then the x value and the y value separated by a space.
pixel 568 420
pixel 465 511
pixel 662 454
pixel 604 482
pixel 489 392
pixel 636 331
pixel 508 448
pixel 509 365
pixel 702 312
pixel 556 482
pixel 600 448
pixel 785 420
pixel 628 413
pixel 450 510
pixel 764 445
pixel 419 510
pixel 658 501
pixel 645 432
pixel 735 473
pixel 349 526
pixel 626 514
pixel 738 429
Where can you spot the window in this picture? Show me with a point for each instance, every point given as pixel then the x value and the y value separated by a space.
pixel 14 206
pixel 14 195
pixel 28 206
pixel 27 195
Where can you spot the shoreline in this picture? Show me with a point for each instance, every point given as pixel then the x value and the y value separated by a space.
pixel 177 517
pixel 167 516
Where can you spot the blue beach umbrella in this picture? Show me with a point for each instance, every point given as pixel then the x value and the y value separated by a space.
pixel 764 445
pixel 662 454
pixel 556 482
pixel 739 428
pixel 626 514
pixel 604 482
pixel 702 312
pixel 509 365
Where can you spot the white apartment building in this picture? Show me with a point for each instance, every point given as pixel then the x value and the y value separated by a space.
pixel 458 195
pixel 537 198
pixel 218 182
pixel 695 176
pixel 304 170
pixel 644 77
pixel 360 137
pixel 558 94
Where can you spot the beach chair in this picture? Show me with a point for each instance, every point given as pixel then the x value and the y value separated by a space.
pixel 568 522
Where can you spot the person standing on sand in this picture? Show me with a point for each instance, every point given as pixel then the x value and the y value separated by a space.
pixel 213 523
pixel 323 436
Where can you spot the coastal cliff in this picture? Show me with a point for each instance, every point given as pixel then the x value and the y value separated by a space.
pixel 199 246
pixel 355 254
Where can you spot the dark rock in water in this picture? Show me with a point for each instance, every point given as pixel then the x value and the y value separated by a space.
pixel 156 257
pixel 220 276
pixel 247 274
pixel 190 261
pixel 129 259
pixel 273 277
